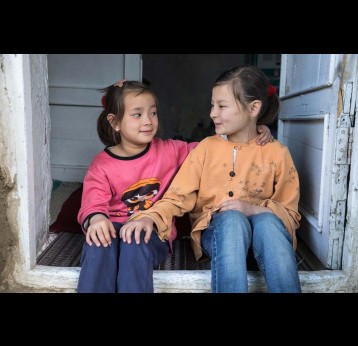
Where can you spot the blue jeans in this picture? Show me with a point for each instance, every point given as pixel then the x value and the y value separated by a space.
pixel 121 267
pixel 227 241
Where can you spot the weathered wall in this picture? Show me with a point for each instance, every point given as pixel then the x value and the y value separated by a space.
pixel 24 163
pixel 25 179
pixel 41 141
pixel 8 237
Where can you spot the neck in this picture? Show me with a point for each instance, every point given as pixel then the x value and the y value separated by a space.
pixel 128 150
pixel 245 135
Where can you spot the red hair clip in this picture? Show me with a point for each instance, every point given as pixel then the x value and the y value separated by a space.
pixel 103 101
pixel 271 90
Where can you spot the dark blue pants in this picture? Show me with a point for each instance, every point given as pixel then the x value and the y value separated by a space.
pixel 121 267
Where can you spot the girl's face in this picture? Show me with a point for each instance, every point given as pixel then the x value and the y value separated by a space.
pixel 229 115
pixel 140 120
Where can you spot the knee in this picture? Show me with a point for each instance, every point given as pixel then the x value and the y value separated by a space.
pixel 133 247
pixel 267 218
pixel 234 225
pixel 268 228
pixel 94 249
pixel 233 218
pixel 268 222
pixel 94 254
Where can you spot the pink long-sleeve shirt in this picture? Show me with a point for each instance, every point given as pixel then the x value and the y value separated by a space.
pixel 118 186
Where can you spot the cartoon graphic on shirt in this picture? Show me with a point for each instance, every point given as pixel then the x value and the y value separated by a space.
pixel 139 195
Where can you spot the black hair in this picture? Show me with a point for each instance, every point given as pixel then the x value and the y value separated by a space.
pixel 249 83
pixel 113 103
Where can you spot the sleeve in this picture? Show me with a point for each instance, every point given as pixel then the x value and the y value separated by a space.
pixel 181 195
pixel 183 149
pixel 192 145
pixel 95 197
pixel 284 201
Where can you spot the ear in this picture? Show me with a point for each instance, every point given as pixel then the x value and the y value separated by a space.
pixel 254 108
pixel 112 120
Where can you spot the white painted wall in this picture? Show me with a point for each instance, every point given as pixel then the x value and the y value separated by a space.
pixel 16 121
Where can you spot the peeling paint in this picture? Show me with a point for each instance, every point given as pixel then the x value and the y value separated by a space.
pixel 341 86
pixel 6 178
pixel 340 101
pixel 8 239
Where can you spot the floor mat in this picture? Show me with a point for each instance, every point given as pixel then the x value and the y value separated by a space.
pixel 65 251
pixel 183 258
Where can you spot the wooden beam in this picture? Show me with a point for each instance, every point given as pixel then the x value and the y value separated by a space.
pixel 190 281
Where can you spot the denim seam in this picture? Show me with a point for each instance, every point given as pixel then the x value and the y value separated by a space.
pixel 214 252
pixel 259 261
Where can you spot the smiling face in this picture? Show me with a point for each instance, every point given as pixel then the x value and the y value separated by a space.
pixel 139 123
pixel 230 117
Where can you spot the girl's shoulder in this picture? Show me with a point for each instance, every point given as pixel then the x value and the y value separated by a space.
pixel 276 150
pixel 171 144
pixel 210 141
pixel 102 155
pixel 99 159
pixel 208 144
pixel 278 145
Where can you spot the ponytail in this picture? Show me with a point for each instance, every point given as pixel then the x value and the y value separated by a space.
pixel 273 107
pixel 106 133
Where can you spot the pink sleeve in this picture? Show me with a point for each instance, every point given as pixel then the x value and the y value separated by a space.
pixel 95 197
pixel 192 145
pixel 183 149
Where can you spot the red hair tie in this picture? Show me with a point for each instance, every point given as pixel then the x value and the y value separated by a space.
pixel 103 101
pixel 271 90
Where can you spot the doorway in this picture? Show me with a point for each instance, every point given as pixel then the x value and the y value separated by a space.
pixel 183 86
pixel 22 90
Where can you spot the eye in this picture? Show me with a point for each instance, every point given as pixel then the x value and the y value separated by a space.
pixel 153 114
pixel 137 115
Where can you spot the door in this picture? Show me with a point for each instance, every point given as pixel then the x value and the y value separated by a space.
pixel 75 103
pixel 318 95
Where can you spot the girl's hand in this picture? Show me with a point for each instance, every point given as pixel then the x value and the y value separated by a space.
pixel 145 224
pixel 245 208
pixel 265 135
pixel 100 231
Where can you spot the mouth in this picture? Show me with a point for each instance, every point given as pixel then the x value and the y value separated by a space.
pixel 148 132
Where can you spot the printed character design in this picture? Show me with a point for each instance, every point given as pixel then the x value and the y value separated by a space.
pixel 139 195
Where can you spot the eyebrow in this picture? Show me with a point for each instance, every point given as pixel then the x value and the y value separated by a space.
pixel 140 108
pixel 217 101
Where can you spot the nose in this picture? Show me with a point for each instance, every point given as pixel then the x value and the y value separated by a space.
pixel 213 113
pixel 147 120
